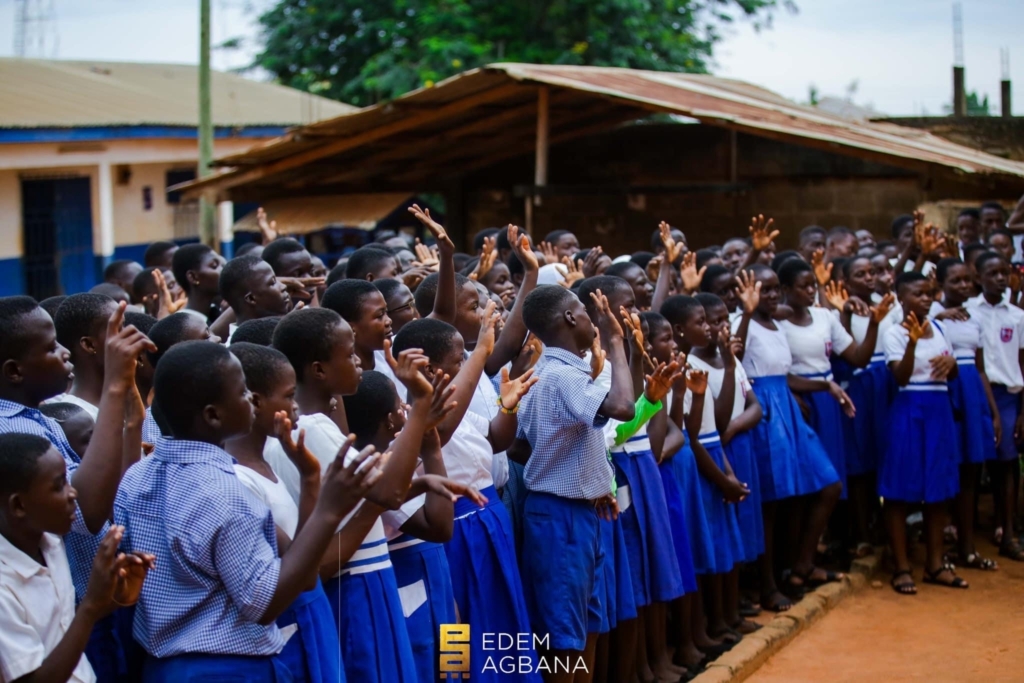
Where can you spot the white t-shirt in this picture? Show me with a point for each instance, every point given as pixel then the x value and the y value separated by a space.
pixel 37 605
pixel 766 352
pixel 716 377
pixel 1002 337
pixel 707 418
pixel 896 340
pixel 274 495
pixel 813 345
pixel 859 327
pixel 468 454
pixel 380 364
pixel 963 335
pixel 93 411
pixel 485 404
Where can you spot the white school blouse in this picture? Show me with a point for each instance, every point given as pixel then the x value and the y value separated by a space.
pixel 93 411
pixel 716 377
pixel 467 455
pixel 1002 337
pixel 273 494
pixel 963 335
pixel 766 353
pixel 707 418
pixel 37 605
pixel 896 340
pixel 859 328
pixel 813 345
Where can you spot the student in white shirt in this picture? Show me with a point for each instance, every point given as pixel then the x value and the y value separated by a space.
pixel 42 635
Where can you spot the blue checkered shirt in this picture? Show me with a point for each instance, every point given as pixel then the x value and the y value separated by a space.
pixel 559 418
pixel 81 544
pixel 150 429
pixel 216 553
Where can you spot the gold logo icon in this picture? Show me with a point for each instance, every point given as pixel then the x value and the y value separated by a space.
pixel 454 663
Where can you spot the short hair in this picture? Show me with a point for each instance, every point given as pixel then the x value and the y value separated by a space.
pixel 61 411
pixel 460 260
pixel 168 332
pixel 556 235
pixel 713 272
pixel 51 304
pixel 478 239
pixel 995 206
pixel 543 306
pixel 304 336
pixel 79 316
pixel 1002 232
pixel 188 378
pixel 188 258
pixel 847 267
pixel 970 213
pixel 607 283
pixel 144 284
pixel 884 244
pixel 784 256
pixel 908 278
pixel 373 401
pixel 621 268
pixel 347 296
pixel 143 322
pixel 678 309
pixel 641 258
pixel 118 269
pixel 514 265
pixel 248 248
pixel 971 251
pixel 14 340
pixel 427 292
pixel 256 331
pixel 653 319
pixel 705 255
pixel 806 233
pixel 501 242
pixel 709 301
pixel 980 261
pixel 155 251
pixel 366 260
pixel 282 246
pixel 112 291
pixel 943 266
pixel 234 277
pixel 432 335
pixel 470 266
pixel 840 230
pixel 759 269
pixel 791 270
pixel 387 287
pixel 261 365
pixel 338 272
pixel 19 460
pixel 838 267
pixel 899 223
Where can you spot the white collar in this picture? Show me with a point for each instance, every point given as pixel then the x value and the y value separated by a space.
pixel 22 564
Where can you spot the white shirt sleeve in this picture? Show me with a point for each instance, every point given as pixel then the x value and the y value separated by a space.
pixel 895 344
pixel 841 339
pixel 21 647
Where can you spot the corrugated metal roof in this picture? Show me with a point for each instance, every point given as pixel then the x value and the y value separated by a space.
pixel 309 214
pixel 36 93
pixel 493 111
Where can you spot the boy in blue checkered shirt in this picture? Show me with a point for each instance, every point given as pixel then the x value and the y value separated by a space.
pixel 568 475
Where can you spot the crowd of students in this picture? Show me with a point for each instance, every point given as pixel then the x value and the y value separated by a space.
pixel 263 470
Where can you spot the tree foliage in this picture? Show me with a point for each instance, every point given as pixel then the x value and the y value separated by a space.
pixel 363 52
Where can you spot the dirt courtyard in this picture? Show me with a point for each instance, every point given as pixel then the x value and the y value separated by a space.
pixel 938 635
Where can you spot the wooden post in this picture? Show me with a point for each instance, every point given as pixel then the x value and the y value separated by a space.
pixel 540 173
pixel 207 215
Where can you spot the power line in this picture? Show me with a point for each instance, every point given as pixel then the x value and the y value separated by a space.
pixel 35 28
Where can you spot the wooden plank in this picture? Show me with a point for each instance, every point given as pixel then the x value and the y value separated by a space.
pixel 540 169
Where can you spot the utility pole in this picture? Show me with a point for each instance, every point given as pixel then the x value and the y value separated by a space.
pixel 207 215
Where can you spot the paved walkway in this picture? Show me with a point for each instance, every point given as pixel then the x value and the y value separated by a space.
pixel 938 635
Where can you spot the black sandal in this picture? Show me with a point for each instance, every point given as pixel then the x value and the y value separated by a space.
pixel 976 561
pixel 933 577
pixel 807 583
pixel 1012 550
pixel 783 605
pixel 903 588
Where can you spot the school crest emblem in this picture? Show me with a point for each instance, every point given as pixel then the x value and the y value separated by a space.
pixel 828 348
pixel 1006 335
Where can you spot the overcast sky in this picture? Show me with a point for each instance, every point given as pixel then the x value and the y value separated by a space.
pixel 898 51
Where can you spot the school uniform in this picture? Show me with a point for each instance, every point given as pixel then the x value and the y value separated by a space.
pixel 971 409
pixel 150 429
pixel 37 606
pixel 1002 338
pixel 485 577
pixel 363 594
pixel 719 553
pixel 923 458
pixel 740 451
pixel 812 347
pixel 312 652
pixel 791 460
pixel 872 390
pixel 218 566
pixel 567 472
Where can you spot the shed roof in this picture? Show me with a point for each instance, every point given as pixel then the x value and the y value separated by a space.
pixel 301 215
pixel 485 115
pixel 39 93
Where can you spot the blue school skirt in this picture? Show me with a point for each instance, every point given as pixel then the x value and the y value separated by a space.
pixel 425 583
pixel 871 391
pixel 748 511
pixel 562 558
pixel 790 458
pixel 221 668
pixel 677 521
pixel 973 414
pixel 112 651
pixel 1008 405
pixel 375 644
pixel 645 524
pixel 485 579
pixel 313 653
pixel 725 528
pixel 613 587
pixel 922 463
pixel 698 531
pixel 829 423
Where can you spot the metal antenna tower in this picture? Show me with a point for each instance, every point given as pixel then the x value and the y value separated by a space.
pixel 35 28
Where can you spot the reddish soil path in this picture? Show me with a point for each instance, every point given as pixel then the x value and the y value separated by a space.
pixel 936 636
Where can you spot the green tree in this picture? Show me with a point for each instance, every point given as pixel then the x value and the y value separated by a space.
pixel 363 52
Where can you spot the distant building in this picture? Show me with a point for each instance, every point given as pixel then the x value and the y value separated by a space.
pixel 88 150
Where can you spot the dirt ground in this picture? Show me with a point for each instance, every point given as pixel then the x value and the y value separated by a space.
pixel 938 635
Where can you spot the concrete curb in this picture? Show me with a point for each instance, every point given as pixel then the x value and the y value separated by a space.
pixel 754 650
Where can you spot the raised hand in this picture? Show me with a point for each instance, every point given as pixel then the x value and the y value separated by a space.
pixel 166 304
pixel 521 248
pixel 345 485
pixel 301 287
pixel 697 381
pixel 690 275
pixel 597 356
pixel 132 574
pixel 408 368
pixel 488 254
pixel 822 270
pixel 761 233
pixel 836 295
pixel 268 229
pixel 882 308
pixel 915 328
pixel 415 275
pixel 424 256
pixel 512 391
pixel 300 456
pixel 673 249
pixel 488 328
pixel 748 290
pixel 107 571
pixel 654 267
pixel 590 262
pixel 661 381
pixel 444 243
pixel 942 366
pixel 549 253
pixel 635 327
pixel 124 346
pixel 605 319
pixel 725 346
pixel 441 404
pixel 572 272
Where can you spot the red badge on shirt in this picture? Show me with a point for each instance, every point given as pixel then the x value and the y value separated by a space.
pixel 828 348
pixel 1006 335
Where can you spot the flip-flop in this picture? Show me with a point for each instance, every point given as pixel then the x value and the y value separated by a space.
pixel 933 577
pixel 778 606
pixel 903 588
pixel 976 561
